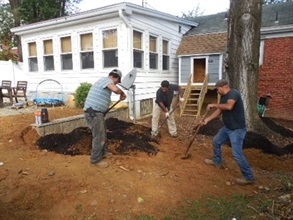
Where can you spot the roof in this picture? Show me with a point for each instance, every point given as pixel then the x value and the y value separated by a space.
pixel 121 9
pixel 274 16
pixel 202 44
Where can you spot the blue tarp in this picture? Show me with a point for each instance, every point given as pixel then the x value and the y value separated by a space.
pixel 47 101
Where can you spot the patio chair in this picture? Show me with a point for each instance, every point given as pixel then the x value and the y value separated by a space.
pixel 6 90
pixel 20 90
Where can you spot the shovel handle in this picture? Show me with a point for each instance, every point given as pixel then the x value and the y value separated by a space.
pixel 112 106
pixel 198 125
pixel 165 119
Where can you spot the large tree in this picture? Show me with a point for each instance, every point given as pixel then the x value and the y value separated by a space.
pixel 242 61
pixel 32 11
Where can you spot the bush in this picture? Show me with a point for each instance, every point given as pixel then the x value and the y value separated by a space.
pixel 81 94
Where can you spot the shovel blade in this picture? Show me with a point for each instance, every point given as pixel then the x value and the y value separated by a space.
pixel 185 156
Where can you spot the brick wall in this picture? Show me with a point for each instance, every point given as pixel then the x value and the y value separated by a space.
pixel 276 77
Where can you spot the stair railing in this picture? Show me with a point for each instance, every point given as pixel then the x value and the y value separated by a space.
pixel 202 93
pixel 186 95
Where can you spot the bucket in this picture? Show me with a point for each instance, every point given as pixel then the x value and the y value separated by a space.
pixel 44 115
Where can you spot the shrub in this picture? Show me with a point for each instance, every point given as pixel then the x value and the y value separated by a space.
pixel 81 94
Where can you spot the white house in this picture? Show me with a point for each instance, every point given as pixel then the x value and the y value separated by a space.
pixel 86 46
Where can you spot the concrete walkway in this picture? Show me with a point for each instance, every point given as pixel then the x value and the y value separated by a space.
pixel 9 110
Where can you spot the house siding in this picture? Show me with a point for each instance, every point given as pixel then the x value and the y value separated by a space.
pixel 185 70
pixel 213 68
pixel 276 77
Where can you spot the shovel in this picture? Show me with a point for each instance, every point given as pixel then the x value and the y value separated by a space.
pixel 195 129
pixel 126 83
pixel 165 119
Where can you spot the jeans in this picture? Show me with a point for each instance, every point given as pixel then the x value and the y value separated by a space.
pixel 236 138
pixel 99 135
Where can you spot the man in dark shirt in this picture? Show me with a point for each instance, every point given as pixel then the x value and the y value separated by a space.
pixel 163 102
pixel 234 129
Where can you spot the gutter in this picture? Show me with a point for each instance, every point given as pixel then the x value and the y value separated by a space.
pixel 277 31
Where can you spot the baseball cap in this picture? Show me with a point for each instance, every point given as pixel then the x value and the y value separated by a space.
pixel 222 82
pixel 117 72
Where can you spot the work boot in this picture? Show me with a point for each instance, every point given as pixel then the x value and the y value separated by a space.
pixel 174 135
pixel 211 162
pixel 101 164
pixel 108 155
pixel 243 181
pixel 154 134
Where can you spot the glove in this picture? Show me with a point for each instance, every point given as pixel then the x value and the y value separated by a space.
pixel 181 99
pixel 167 114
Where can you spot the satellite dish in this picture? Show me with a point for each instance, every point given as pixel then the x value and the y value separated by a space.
pixel 129 79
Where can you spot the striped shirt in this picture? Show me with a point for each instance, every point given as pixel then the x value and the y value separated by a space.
pixel 99 96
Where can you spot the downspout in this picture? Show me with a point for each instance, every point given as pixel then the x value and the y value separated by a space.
pixel 121 15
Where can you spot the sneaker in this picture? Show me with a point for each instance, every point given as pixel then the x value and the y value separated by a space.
pixel 211 162
pixel 243 181
pixel 101 164
pixel 174 135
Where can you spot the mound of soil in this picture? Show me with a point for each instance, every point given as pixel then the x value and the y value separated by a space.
pixel 127 138
pixel 124 138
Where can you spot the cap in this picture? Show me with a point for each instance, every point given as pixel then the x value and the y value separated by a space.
pixel 165 83
pixel 222 82
pixel 117 72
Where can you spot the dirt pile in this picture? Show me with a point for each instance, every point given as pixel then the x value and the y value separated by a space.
pixel 124 138
pixel 127 138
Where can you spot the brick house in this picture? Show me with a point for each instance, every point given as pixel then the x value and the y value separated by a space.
pixel 202 48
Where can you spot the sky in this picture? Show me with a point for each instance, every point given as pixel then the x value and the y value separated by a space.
pixel 174 7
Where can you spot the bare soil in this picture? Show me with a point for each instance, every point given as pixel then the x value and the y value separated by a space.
pixel 51 177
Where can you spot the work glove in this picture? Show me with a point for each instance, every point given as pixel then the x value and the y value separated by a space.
pixel 181 99
pixel 167 114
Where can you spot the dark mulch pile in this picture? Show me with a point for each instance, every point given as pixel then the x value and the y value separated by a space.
pixel 254 140
pixel 127 138
pixel 131 137
pixel 124 136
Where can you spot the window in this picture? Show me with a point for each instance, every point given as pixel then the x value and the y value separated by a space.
pixel 66 54
pixel 153 53
pixel 137 49
pixel 110 48
pixel 86 48
pixel 48 55
pixel 32 57
pixel 166 57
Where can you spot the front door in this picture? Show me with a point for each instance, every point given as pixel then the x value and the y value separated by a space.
pixel 199 70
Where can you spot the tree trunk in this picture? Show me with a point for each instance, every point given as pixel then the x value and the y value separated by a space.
pixel 15 4
pixel 242 62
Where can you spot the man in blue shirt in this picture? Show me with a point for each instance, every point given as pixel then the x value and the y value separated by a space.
pixel 234 129
pixel 96 105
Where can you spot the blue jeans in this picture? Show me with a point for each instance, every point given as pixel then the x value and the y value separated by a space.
pixel 99 135
pixel 236 138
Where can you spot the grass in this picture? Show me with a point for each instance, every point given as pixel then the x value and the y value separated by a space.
pixel 239 207
pixel 214 208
